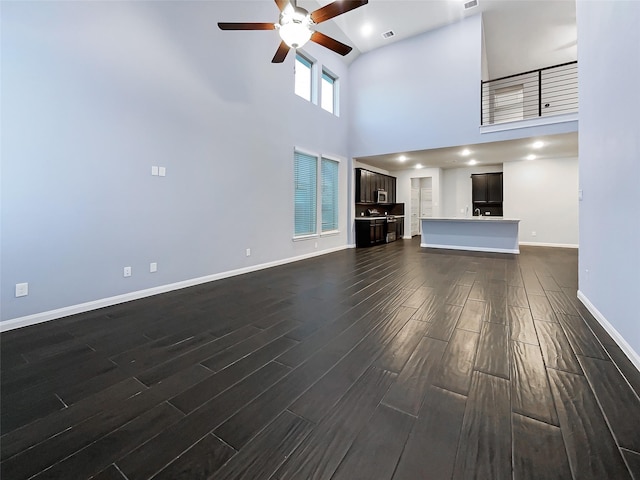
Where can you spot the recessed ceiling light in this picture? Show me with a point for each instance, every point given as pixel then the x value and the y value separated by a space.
pixel 472 161
pixel 538 144
pixel 418 166
pixel 402 158
pixel 366 29
pixel 465 152
pixel 531 157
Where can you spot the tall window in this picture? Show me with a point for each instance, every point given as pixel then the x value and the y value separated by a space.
pixel 329 176
pixel 306 191
pixel 315 176
pixel 303 68
pixel 328 92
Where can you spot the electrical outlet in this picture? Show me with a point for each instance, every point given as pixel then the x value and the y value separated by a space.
pixel 533 234
pixel 22 289
pixel 316 245
pixel 248 252
pixel 153 267
pixel 127 271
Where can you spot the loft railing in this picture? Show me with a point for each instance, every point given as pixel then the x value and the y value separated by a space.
pixel 538 93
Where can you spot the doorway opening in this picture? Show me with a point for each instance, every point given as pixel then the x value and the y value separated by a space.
pixel 421 202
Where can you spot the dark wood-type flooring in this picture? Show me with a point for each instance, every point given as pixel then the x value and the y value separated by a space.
pixel 393 362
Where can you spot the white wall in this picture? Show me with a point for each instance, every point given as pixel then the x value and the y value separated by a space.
pixel 609 74
pixel 423 93
pixel 95 93
pixel 543 194
pixel 403 194
pixel 417 91
pixel 456 189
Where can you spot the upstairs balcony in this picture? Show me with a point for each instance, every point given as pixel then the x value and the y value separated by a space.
pixel 549 95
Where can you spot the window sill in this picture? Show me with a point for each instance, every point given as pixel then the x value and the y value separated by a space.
pixel 330 233
pixel 301 238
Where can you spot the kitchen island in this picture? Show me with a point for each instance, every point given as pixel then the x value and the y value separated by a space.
pixel 483 234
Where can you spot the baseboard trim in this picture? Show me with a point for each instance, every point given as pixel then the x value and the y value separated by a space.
pixel 515 251
pixel 556 245
pixel 622 343
pixel 36 318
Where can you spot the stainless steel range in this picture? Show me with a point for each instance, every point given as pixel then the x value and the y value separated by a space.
pixel 391 228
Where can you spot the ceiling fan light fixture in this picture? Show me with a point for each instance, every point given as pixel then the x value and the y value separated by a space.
pixel 295 27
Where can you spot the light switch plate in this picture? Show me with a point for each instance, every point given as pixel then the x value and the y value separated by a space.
pixel 154 170
pixel 22 289
pixel 162 171
pixel 153 267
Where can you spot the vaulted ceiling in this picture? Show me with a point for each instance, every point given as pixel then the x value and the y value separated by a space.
pixel 519 35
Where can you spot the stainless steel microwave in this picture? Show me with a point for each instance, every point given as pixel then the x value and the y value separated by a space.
pixel 382 197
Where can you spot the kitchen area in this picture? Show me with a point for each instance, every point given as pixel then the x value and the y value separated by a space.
pixel 540 194
pixel 379 219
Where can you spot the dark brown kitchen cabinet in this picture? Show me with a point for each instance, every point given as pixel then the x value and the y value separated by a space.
pixel 371 232
pixel 399 228
pixel 479 188
pixel 494 187
pixel 486 193
pixel 368 183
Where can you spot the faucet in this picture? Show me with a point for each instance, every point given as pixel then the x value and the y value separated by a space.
pixel 478 211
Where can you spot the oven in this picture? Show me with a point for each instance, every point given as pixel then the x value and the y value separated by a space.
pixel 391 229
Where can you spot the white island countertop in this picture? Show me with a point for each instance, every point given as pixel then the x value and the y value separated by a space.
pixel 484 234
pixel 471 219
pixel 379 217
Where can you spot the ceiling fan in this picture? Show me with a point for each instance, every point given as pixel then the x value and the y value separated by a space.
pixel 295 26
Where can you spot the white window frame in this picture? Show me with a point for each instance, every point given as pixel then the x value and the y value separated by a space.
pixel 318 230
pixel 335 90
pixel 313 82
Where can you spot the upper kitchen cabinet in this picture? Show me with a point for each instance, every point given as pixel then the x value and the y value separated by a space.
pixel 479 188
pixel 494 187
pixel 486 191
pixel 368 183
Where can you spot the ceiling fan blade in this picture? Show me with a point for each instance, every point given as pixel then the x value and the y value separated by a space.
pixel 281 53
pixel 334 9
pixel 245 26
pixel 281 4
pixel 330 43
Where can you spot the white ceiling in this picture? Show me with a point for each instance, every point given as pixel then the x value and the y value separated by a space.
pixel 554 146
pixel 519 35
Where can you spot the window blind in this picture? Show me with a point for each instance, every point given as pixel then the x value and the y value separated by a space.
pixel 329 171
pixel 305 177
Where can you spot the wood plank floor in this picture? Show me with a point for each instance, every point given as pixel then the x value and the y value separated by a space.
pixel 392 362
